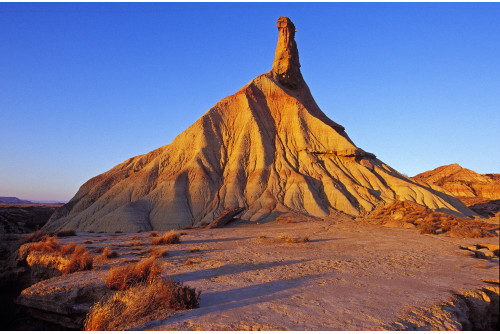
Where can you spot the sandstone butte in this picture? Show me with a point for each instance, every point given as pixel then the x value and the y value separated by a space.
pixel 268 148
pixel 461 182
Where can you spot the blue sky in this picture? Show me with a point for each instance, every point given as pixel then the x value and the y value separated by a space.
pixel 85 86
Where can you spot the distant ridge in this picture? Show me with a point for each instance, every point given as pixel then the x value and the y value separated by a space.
pixel 13 200
pixel 268 149
pixel 461 181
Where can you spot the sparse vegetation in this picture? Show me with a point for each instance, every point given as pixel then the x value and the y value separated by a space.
pixel 168 238
pixel 430 222
pixel 194 250
pixel 157 253
pixel 189 262
pixel 153 234
pixel 88 242
pixel 291 240
pixel 143 301
pixel 66 233
pixel 261 237
pixel 37 236
pixel 79 258
pixel 107 253
pixel 121 278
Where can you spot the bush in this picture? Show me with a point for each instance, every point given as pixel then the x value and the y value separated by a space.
pixel 124 277
pixel 79 260
pixel 153 234
pixel 194 250
pixel 66 233
pixel 107 253
pixel 37 236
pixel 143 301
pixel 427 229
pixel 189 262
pixel 158 253
pixel 166 239
pixel 46 245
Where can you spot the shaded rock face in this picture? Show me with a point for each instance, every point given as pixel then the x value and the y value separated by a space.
pixel 267 148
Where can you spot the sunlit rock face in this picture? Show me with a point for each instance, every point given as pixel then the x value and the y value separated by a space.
pixel 461 181
pixel 268 148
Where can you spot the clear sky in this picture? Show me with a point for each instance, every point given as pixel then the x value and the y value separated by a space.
pixel 84 87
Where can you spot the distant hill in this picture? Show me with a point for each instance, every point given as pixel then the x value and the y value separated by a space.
pixel 461 182
pixel 481 192
pixel 13 200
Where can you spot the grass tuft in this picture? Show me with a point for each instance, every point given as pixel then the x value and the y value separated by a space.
pixel 124 277
pixel 142 302
pixel 168 238
pixel 107 253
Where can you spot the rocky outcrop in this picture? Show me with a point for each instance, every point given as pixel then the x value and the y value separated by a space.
pixel 469 310
pixel 286 65
pixel 268 148
pixel 225 217
pixel 462 182
pixel 62 300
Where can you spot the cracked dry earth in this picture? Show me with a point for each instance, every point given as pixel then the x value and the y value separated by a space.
pixel 350 276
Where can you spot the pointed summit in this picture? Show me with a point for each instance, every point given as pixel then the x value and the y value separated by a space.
pixel 268 149
pixel 286 66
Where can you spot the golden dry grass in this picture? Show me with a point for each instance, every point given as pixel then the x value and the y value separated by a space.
pixel 168 238
pixel 37 236
pixel 124 277
pixel 79 258
pixel 107 253
pixel 157 253
pixel 140 303
pixel 430 222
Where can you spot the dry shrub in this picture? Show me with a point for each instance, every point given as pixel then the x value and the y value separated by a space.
pixel 107 253
pixel 79 260
pixel 88 242
pixel 189 262
pixel 429 222
pixel 141 302
pixel 135 243
pixel 166 239
pixel 290 240
pixel 66 233
pixel 427 228
pixel 194 250
pixel 46 245
pixel 37 236
pixel 99 250
pixel 67 249
pixel 158 253
pixel 121 278
pixel 261 237
pixel 153 234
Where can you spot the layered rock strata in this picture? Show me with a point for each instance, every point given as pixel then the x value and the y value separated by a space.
pixel 268 149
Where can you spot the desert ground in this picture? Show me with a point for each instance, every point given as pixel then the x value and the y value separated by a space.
pixel 346 276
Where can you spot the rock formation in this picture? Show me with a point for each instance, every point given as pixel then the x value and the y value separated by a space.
pixel 461 181
pixel 268 148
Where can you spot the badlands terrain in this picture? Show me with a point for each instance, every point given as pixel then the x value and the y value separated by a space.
pixel 279 222
pixel 291 274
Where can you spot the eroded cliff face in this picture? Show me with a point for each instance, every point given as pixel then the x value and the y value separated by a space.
pixel 268 148
pixel 462 182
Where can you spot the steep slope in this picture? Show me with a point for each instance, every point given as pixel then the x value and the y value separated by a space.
pixel 461 181
pixel 267 148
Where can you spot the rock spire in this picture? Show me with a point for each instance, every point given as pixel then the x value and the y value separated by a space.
pixel 286 66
